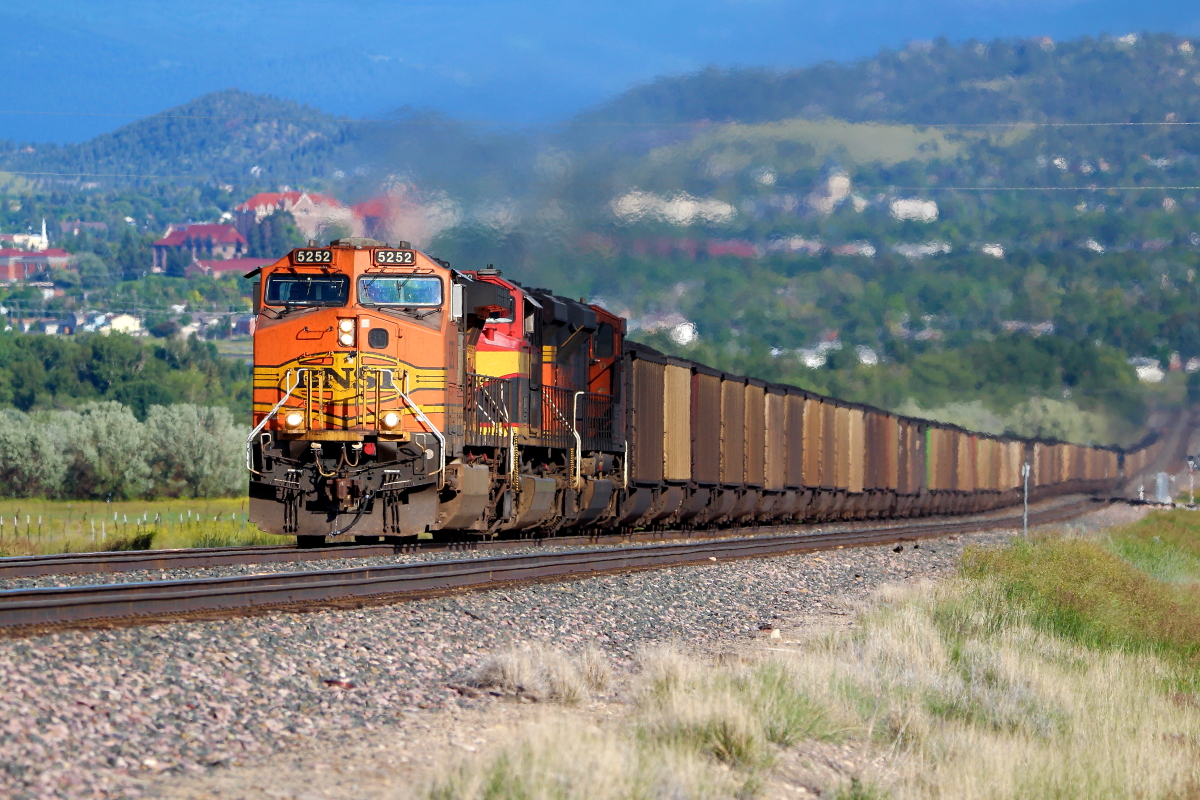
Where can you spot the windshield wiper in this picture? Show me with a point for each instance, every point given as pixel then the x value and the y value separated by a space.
pixel 412 312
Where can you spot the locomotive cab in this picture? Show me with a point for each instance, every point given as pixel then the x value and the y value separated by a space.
pixel 357 382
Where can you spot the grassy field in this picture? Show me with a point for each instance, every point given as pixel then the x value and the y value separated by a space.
pixel 33 527
pixel 737 147
pixel 240 348
pixel 1059 667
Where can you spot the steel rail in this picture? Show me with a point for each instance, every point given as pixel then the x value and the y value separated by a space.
pixel 144 603
pixel 199 558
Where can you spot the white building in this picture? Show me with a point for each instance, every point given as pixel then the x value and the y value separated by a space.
pixel 29 242
pixel 913 208
pixel 1148 369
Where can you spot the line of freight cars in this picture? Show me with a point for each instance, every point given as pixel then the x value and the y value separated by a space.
pixel 707 447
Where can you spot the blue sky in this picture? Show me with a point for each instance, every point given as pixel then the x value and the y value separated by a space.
pixel 77 62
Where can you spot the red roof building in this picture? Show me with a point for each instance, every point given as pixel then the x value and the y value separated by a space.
pixel 20 265
pixel 311 212
pixel 222 241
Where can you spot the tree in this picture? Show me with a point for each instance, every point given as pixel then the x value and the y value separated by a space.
pixel 134 258
pixel 272 236
pixel 94 272
pixel 178 261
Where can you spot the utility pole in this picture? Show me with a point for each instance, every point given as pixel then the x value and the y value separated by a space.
pixel 1025 514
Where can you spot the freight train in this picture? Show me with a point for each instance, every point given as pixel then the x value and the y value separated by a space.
pixel 395 397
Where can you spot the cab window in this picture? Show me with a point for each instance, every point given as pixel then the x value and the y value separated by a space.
pixel 408 291
pixel 307 290
pixel 602 344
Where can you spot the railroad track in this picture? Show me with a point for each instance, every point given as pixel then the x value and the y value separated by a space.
pixel 32 611
pixel 200 558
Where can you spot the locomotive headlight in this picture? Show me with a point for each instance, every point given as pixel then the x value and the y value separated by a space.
pixel 346 332
pixel 390 420
pixel 294 419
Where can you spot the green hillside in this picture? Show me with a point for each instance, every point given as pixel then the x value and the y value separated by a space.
pixel 221 136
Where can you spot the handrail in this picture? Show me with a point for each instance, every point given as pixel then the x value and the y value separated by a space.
pixel 577 478
pixel 432 429
pixel 258 428
pixel 380 373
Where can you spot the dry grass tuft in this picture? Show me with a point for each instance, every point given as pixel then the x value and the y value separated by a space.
pixel 594 668
pixel 736 714
pixel 976 698
pixel 557 760
pixel 544 673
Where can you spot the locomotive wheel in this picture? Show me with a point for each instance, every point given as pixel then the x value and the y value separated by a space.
pixel 310 542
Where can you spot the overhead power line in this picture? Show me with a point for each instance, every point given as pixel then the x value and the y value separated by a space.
pixel 594 123
pixel 1042 188
pixel 121 175
pixel 1089 188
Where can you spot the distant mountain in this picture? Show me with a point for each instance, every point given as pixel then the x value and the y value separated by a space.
pixel 223 136
pixel 1134 79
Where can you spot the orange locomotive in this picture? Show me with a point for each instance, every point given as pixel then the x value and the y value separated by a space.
pixel 394 396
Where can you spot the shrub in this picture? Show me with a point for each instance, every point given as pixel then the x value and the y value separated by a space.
pixel 104 448
pixel 102 451
pixel 195 451
pixel 31 457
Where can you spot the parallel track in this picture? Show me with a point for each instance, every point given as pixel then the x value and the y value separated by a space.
pixel 200 558
pixel 30 611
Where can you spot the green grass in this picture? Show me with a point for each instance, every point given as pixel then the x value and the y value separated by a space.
pixel 40 527
pixel 1086 591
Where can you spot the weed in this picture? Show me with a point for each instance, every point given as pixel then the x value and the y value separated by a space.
pixel 132 541
pixel 555 759
pixel 38 527
pixel 788 715
pixel 1056 668
pixel 857 790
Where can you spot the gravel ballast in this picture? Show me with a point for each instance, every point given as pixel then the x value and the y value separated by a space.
pixel 107 713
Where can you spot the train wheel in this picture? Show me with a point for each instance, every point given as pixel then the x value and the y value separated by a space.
pixel 310 542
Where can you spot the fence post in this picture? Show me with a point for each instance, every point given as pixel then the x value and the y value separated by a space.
pixel 1191 462
pixel 1025 514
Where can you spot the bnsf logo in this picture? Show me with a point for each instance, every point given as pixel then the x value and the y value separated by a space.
pixel 347 378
